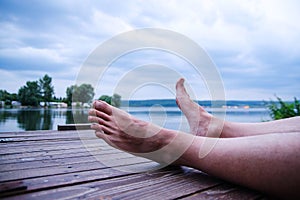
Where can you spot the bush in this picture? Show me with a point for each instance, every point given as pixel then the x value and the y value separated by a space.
pixel 281 110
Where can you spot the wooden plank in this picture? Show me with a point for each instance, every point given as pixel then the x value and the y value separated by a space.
pixel 10 140
pixel 100 156
pixel 64 150
pixel 14 151
pixel 54 154
pixel 27 140
pixel 68 168
pixel 175 187
pixel 28 133
pixel 46 134
pixel 47 147
pixel 68 127
pixel 225 191
pixel 34 164
pixel 138 186
pixel 46 182
pixel 76 178
pixel 21 137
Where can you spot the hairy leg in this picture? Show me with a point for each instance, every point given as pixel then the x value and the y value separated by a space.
pixel 204 124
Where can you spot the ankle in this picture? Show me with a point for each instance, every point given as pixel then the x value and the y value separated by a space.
pixel 216 127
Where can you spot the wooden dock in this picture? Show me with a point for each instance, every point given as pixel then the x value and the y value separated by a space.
pixel 77 165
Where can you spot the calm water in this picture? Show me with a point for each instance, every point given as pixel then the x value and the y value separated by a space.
pixel 48 119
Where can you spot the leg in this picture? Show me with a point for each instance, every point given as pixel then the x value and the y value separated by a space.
pixel 268 163
pixel 199 120
pixel 233 129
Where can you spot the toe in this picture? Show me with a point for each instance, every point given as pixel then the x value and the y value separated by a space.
pixel 180 89
pixel 179 83
pixel 98 120
pixel 103 107
pixel 92 112
pixel 96 127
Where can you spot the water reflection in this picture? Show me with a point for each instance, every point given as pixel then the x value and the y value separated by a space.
pixel 76 116
pixel 7 114
pixel 34 119
pixel 48 119
pixel 39 119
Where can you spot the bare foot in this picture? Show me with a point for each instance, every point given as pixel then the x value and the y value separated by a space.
pixel 197 117
pixel 122 131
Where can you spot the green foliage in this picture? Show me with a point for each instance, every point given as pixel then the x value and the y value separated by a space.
pixel 47 89
pixel 114 100
pixel 34 92
pixel 106 98
pixel 7 97
pixel 3 95
pixel 30 94
pixel 281 110
pixel 83 93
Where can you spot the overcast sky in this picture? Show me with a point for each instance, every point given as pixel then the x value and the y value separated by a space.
pixel 254 44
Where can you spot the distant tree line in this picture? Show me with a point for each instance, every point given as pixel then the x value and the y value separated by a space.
pixel 42 90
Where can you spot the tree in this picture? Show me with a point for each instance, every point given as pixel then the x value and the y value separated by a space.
pixel 70 91
pixel 83 93
pixel 3 95
pixel 7 97
pixel 46 88
pixel 30 94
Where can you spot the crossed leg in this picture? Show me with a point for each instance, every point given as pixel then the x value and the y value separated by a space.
pixel 200 120
pixel 265 162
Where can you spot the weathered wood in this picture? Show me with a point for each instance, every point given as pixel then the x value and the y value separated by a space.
pixel 76 159
pixel 48 134
pixel 48 182
pixel 52 155
pixel 66 168
pixel 46 147
pixel 55 165
pixel 225 191
pixel 162 185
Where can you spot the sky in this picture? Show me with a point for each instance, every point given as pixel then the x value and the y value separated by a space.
pixel 254 46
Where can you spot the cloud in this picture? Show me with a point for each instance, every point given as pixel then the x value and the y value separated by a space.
pixel 253 43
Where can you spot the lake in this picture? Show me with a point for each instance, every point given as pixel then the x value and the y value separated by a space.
pixel 168 117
